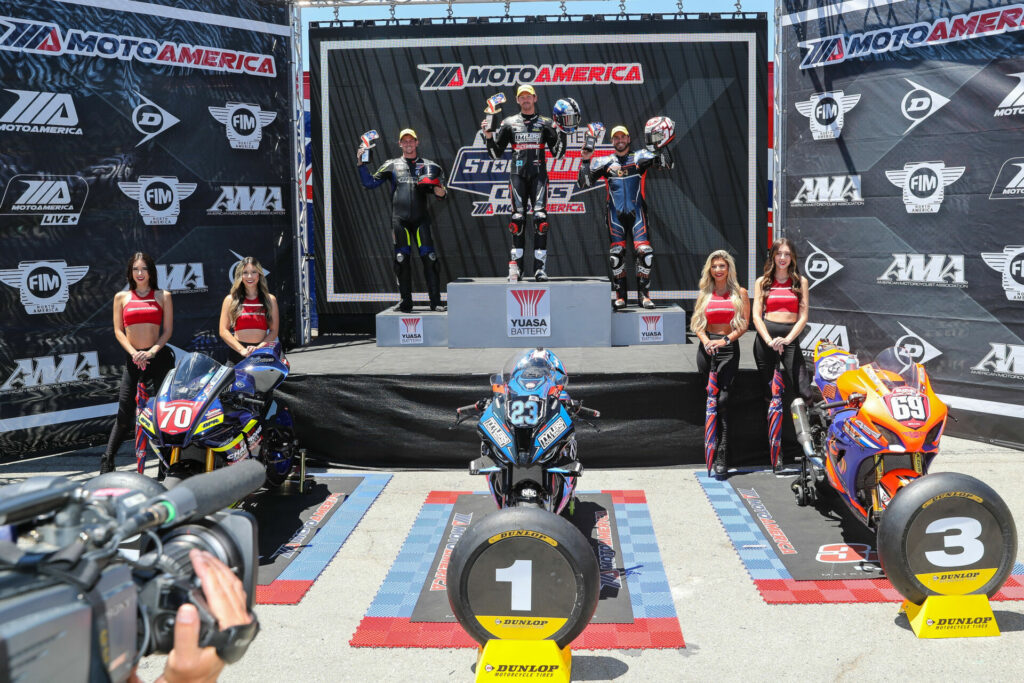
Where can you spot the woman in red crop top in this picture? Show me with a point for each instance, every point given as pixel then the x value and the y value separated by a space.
pixel 780 315
pixel 142 326
pixel 719 319
pixel 248 316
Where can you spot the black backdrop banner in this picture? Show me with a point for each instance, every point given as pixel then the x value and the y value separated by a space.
pixel 902 185
pixel 130 127
pixel 708 76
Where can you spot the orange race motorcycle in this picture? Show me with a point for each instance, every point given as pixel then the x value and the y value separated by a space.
pixel 877 429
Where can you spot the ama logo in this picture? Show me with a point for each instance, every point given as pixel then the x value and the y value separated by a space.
pixel 528 312
pixel 930 270
pixel 182 278
pixel 43 284
pixel 243 123
pixel 410 330
pixel 159 197
pixel 652 329
pixel 1002 360
pixel 248 200
pixel 68 368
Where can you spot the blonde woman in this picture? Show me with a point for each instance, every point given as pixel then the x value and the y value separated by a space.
pixel 720 318
pixel 248 316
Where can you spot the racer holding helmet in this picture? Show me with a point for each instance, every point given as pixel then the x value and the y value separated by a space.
pixel 624 173
pixel 412 178
pixel 528 133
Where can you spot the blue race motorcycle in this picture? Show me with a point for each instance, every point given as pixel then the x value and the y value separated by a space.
pixel 206 415
pixel 528 434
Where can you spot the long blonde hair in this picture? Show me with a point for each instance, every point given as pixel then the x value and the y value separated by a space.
pixel 238 290
pixel 707 286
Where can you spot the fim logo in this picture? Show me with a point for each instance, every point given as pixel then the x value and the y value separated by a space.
pixel 182 278
pixel 1010 263
pixel 248 200
pixel 916 346
pixel 836 190
pixel 159 197
pixel 819 266
pixel 920 103
pixel 652 329
pixel 1013 104
pixel 410 331
pixel 58 199
pixel 930 270
pixel 46 371
pixel 151 119
pixel 40 112
pixel 836 334
pixel 826 111
pixel 244 123
pixel 924 184
pixel 1010 181
pixel 1003 360
pixel 528 312
pixel 43 284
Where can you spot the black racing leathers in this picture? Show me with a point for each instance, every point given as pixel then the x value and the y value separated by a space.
pixel 531 137
pixel 410 223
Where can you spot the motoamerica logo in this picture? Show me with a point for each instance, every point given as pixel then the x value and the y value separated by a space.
pixel 924 184
pixel 836 190
pixel 1010 264
pixel 827 112
pixel 58 199
pixel 528 312
pixel 457 76
pixel 836 49
pixel 1013 103
pixel 247 200
pixel 1010 181
pixel 47 38
pixel 41 112
pixel 475 172
pixel 836 334
pixel 182 278
pixel 68 368
pixel 1002 360
pixel 930 270
pixel 43 284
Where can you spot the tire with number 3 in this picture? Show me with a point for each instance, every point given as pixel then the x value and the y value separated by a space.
pixel 947 534
pixel 523 574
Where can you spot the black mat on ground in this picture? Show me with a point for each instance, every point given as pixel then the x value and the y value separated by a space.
pixel 594 516
pixel 287 523
pixel 815 543
pixel 653 419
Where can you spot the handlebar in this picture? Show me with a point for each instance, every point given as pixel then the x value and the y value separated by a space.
pixel 472 407
pixel 578 409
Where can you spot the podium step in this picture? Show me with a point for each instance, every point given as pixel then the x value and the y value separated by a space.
pixel 422 328
pixel 661 325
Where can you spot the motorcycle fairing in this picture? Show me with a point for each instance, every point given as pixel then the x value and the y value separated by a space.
pixel 186 399
pixel 493 431
pixel 548 439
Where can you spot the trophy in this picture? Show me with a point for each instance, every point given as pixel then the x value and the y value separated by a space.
pixel 366 145
pixel 593 134
pixel 492 110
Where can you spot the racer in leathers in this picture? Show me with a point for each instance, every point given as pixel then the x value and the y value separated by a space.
pixel 412 178
pixel 528 133
pixel 624 173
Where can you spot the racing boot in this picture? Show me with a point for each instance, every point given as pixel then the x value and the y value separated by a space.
pixel 540 259
pixel 644 262
pixel 432 274
pixel 403 272
pixel 722 448
pixel 621 292
pixel 107 463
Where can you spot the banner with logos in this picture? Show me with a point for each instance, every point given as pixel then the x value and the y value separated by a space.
pixel 902 186
pixel 706 75
pixel 124 127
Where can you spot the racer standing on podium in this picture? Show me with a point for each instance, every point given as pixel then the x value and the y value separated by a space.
pixel 412 177
pixel 528 133
pixel 624 173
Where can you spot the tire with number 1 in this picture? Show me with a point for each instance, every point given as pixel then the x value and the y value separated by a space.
pixel 947 534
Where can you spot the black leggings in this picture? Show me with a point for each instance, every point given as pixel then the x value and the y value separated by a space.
pixel 725 362
pixel 794 372
pixel 155 371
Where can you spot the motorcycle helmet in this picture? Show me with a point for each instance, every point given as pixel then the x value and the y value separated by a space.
pixel 429 175
pixel 567 114
pixel 658 132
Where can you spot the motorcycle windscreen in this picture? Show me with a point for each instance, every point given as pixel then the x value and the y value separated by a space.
pixel 186 391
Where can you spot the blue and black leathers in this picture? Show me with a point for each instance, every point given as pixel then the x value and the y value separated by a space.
pixel 624 177
pixel 410 223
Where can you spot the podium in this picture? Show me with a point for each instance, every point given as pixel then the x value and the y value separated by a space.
pixel 562 312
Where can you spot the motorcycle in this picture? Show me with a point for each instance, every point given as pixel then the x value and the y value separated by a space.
pixel 528 434
pixel 206 415
pixel 877 429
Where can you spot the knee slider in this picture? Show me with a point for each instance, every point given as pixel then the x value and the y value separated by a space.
pixel 515 225
pixel 540 221
pixel 645 254
pixel 616 259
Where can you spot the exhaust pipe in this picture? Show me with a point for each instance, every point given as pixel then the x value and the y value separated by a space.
pixel 802 426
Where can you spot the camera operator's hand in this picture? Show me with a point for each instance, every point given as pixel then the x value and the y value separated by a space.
pixel 187 662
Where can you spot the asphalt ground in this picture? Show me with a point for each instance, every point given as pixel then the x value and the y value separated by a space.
pixel 731 633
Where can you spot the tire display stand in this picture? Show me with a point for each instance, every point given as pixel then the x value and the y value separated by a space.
pixel 562 312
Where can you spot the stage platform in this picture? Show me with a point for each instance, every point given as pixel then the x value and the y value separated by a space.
pixel 367 406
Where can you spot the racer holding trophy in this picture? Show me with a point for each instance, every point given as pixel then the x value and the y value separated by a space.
pixel 529 133
pixel 624 173
pixel 412 178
